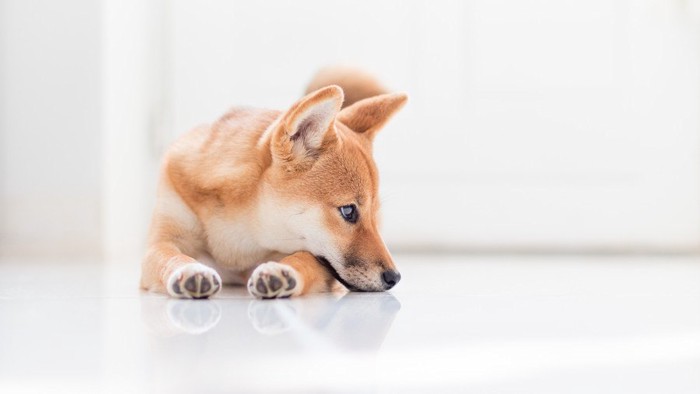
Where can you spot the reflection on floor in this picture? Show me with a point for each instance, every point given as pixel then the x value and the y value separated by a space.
pixel 455 324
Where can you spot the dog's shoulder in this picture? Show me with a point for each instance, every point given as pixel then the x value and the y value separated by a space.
pixel 221 158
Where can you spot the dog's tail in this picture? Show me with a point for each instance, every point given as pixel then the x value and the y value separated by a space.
pixel 357 84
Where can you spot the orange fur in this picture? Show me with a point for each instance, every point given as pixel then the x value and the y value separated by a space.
pixel 258 185
pixel 316 277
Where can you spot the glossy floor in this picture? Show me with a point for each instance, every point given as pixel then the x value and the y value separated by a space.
pixel 478 324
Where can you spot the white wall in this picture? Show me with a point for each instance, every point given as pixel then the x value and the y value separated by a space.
pixel 533 125
pixel 50 127
pixel 133 98
pixel 80 95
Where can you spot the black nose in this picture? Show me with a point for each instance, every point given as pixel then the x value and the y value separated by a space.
pixel 390 279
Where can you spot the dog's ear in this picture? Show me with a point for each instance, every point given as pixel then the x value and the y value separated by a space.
pixel 307 126
pixel 368 116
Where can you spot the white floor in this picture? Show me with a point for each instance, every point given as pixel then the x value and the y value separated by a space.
pixel 477 324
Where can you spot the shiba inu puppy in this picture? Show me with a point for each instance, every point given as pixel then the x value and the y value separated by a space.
pixel 285 201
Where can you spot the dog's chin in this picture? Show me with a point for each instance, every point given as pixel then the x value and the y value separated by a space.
pixel 324 262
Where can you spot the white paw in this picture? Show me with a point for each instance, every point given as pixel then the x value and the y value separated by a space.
pixel 274 280
pixel 194 280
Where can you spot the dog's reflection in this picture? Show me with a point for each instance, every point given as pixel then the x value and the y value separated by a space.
pixel 354 321
pixel 166 316
pixel 357 321
pixel 193 317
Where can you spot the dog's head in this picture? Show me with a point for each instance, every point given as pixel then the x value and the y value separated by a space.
pixel 323 185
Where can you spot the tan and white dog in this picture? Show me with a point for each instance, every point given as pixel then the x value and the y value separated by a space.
pixel 285 200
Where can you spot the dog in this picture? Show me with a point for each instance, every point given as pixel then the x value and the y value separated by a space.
pixel 285 201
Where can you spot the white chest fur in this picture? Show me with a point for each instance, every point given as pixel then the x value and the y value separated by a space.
pixel 233 244
pixel 290 226
pixel 274 228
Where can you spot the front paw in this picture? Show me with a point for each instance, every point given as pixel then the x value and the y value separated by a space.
pixel 274 280
pixel 194 280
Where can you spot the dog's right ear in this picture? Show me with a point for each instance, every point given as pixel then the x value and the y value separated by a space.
pixel 307 127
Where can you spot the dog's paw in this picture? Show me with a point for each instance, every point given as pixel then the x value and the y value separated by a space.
pixel 274 280
pixel 194 280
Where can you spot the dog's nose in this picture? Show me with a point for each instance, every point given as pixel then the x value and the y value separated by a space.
pixel 390 279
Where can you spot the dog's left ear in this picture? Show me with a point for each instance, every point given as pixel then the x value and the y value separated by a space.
pixel 368 116
pixel 307 126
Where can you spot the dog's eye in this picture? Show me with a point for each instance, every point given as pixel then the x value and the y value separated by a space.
pixel 349 213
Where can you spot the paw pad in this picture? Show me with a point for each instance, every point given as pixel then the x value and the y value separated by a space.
pixel 194 280
pixel 273 280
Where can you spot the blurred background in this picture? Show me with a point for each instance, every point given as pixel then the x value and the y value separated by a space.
pixel 532 126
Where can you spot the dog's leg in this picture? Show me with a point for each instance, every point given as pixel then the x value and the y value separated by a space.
pixel 295 275
pixel 167 269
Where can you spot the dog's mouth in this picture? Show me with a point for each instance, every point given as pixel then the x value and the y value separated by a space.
pixel 324 262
